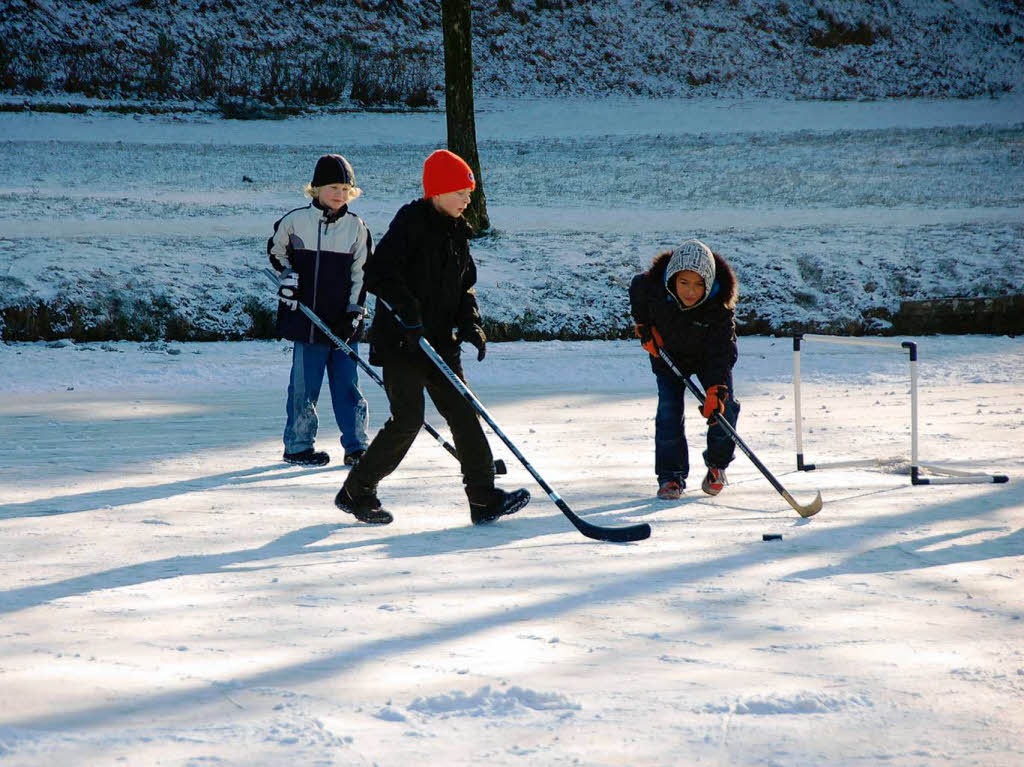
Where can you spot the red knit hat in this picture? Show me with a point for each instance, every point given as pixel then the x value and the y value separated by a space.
pixel 445 172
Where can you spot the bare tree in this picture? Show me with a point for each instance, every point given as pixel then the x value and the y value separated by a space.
pixel 456 22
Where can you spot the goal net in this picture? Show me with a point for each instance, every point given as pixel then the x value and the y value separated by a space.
pixel 937 474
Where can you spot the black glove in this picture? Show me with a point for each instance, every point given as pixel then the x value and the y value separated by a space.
pixel 288 289
pixel 347 328
pixel 413 334
pixel 473 334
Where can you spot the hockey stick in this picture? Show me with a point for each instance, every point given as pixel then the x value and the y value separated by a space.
pixel 499 465
pixel 614 534
pixel 804 511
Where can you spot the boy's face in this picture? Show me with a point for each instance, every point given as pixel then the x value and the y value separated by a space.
pixel 689 287
pixel 453 203
pixel 333 196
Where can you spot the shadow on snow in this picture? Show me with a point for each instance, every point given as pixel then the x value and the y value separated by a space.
pixel 300 542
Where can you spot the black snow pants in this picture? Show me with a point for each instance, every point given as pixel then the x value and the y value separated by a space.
pixel 404 382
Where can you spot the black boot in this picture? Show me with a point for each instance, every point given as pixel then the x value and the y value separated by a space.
pixel 363 505
pixel 308 457
pixel 486 504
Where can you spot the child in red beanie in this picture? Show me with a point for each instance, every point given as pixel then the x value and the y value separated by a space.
pixel 423 269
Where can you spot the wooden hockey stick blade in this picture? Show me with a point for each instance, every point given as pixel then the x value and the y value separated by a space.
pixel 804 511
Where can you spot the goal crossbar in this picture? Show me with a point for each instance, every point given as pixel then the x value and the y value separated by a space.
pixel 945 475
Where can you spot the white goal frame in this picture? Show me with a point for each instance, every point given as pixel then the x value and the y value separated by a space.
pixel 947 476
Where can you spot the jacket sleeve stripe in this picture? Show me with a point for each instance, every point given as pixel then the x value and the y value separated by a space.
pixel 364 245
pixel 278 244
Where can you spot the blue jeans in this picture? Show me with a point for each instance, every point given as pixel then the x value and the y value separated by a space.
pixel 350 411
pixel 671 456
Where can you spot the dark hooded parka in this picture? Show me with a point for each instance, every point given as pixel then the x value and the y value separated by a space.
pixel 700 339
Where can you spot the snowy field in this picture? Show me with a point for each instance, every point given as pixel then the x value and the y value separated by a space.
pixel 830 212
pixel 173 594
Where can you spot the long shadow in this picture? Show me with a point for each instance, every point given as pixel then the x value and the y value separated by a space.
pixel 903 559
pixel 295 542
pixel 298 542
pixel 344 660
pixel 234 415
pixel 98 499
pixel 153 436
pixel 90 501
pixel 911 556
pixel 590 594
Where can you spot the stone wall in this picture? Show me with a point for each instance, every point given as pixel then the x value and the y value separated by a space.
pixel 1002 315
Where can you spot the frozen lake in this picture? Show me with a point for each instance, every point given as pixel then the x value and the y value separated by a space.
pixel 173 594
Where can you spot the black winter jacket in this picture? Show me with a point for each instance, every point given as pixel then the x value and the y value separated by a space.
pixel 700 340
pixel 422 268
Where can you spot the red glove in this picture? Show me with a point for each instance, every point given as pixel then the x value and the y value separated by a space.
pixel 650 338
pixel 714 402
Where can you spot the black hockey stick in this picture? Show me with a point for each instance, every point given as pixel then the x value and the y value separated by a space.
pixel 614 534
pixel 499 465
pixel 804 511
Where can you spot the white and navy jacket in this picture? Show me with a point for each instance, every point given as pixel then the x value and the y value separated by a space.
pixel 328 250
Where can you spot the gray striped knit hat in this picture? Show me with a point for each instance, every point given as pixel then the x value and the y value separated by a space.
pixel 693 256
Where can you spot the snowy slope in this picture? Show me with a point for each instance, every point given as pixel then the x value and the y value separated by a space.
pixel 171 594
pixel 832 213
pixel 796 48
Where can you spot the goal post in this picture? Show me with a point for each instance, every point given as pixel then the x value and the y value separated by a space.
pixel 945 475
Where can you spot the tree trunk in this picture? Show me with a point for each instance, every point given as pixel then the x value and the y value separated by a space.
pixel 458 91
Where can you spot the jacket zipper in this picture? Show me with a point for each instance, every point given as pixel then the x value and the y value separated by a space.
pixel 316 279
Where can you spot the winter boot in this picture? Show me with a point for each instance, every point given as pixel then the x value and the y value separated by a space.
pixel 363 505
pixel 486 504
pixel 714 481
pixel 308 457
pixel 351 459
pixel 671 490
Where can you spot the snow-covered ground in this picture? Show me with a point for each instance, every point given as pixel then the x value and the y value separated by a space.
pixel 840 49
pixel 173 594
pixel 831 213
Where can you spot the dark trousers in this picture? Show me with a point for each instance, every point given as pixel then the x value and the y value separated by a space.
pixel 671 456
pixel 404 382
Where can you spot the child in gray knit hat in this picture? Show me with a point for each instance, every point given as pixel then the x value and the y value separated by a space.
pixel 685 303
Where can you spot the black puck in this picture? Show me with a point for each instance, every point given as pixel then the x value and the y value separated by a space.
pixel 771 537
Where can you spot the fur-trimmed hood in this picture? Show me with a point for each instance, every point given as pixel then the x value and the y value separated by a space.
pixel 724 289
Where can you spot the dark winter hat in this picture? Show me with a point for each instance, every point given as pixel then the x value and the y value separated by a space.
pixel 693 256
pixel 332 169
pixel 445 172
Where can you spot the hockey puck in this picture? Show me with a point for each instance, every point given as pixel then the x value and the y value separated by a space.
pixel 771 537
